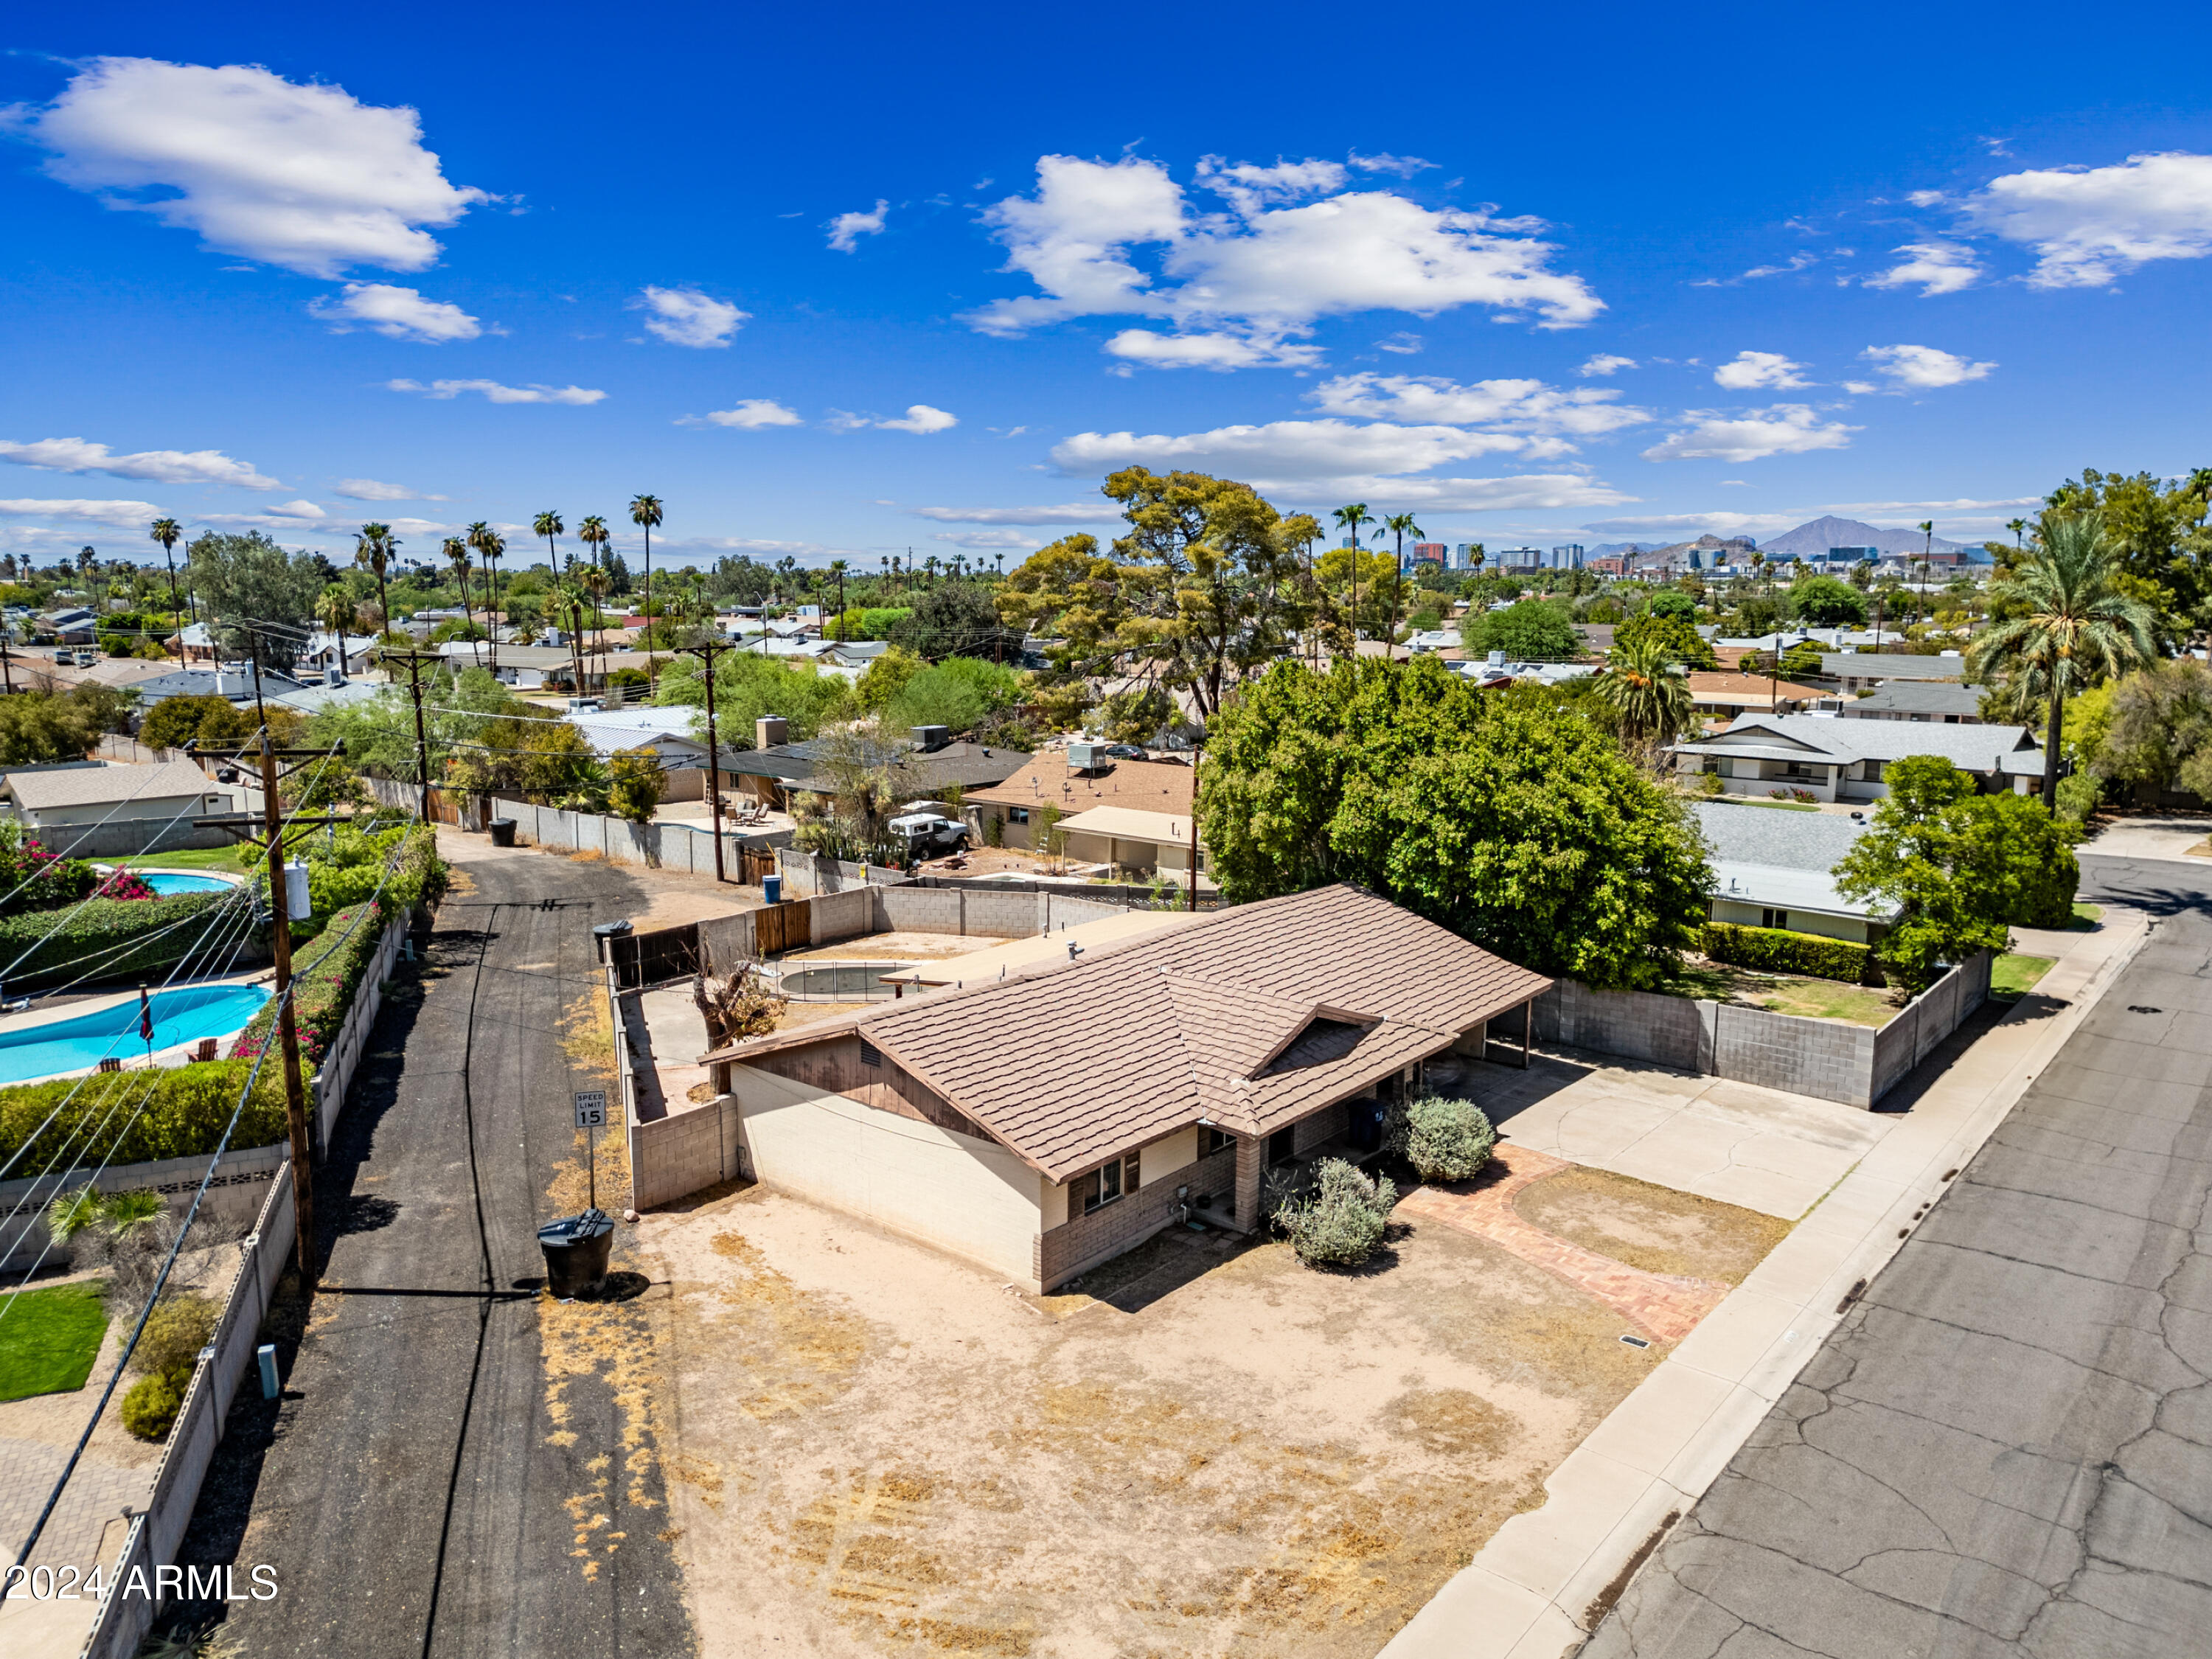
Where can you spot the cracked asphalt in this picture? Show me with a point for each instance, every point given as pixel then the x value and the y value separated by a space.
pixel 2006 1447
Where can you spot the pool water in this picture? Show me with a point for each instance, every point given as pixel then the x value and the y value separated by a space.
pixel 165 881
pixel 181 1015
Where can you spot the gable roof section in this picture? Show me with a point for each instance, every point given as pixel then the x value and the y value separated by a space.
pixel 98 786
pixel 2008 749
pixel 1248 1019
pixel 1145 786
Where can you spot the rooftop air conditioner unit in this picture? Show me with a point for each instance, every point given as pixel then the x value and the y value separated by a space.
pixel 1085 756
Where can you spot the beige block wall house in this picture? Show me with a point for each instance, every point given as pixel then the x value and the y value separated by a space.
pixel 1039 1125
pixel 1160 790
pixel 87 794
pixel 1839 760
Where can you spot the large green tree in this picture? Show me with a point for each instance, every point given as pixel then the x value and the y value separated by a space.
pixel 1680 640
pixel 261 597
pixel 1531 630
pixel 1508 817
pixel 1827 602
pixel 1199 592
pixel 2158 534
pixel 1958 868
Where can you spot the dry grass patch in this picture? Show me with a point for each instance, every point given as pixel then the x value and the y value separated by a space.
pixel 1657 1228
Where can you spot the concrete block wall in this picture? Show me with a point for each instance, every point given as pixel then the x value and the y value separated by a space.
pixel 1665 1031
pixel 673 1157
pixel 833 916
pixel 234 1197
pixel 1822 1058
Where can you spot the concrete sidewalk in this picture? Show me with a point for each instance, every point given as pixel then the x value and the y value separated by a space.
pixel 1548 1577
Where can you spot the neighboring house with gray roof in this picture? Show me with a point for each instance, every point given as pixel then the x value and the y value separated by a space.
pixel 1833 759
pixel 1938 702
pixel 44 798
pixel 1774 869
pixel 1853 671
pixel 1045 1123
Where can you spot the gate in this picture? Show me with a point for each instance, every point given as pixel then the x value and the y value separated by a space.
pixel 781 927
pixel 655 958
pixel 753 863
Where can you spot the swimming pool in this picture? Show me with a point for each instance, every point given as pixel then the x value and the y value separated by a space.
pixel 181 1015
pixel 165 881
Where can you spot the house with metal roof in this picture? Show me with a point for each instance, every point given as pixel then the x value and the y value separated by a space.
pixel 1833 759
pixel 1042 1123
pixel 1776 869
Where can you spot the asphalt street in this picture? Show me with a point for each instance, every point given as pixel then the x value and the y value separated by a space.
pixel 458 1468
pixel 2006 1447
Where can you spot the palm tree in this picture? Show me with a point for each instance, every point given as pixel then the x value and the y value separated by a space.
pixel 336 612
pixel 1349 520
pixel 1402 525
pixel 1641 684
pixel 645 514
pixel 548 525
pixel 930 565
pixel 372 551
pixel 491 544
pixel 167 531
pixel 87 562
pixel 2019 528
pixel 837 569
pixel 2079 627
pixel 456 550
pixel 596 582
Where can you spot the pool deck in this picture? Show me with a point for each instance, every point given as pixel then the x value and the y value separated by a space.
pixel 133 1057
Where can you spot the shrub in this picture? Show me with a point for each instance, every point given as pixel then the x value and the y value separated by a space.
pixel 994 830
pixel 1445 1140
pixel 328 973
pixel 1341 1223
pixel 153 1403
pixel 176 1331
pixel 104 937
pixel 1805 795
pixel 1776 951
pixel 184 1118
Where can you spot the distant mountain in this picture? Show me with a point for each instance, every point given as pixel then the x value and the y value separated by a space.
pixel 1818 537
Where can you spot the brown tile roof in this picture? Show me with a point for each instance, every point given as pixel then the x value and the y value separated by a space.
pixel 1709 686
pixel 1148 786
pixel 1250 1019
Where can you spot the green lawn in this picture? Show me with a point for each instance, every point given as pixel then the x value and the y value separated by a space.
pixel 49 1338
pixel 2086 916
pixel 2013 976
pixel 1786 994
pixel 210 858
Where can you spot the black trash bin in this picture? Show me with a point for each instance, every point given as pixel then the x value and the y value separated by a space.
pixel 576 1248
pixel 503 832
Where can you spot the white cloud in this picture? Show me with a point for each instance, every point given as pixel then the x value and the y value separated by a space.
pixel 1796 262
pixel 398 313
pixel 1861 388
pixel 986 540
pixel 1264 269
pixel 921 418
pixel 1216 351
pixel 1528 406
pixel 1687 526
pixel 1403 343
pixel 1784 429
pixel 1072 512
pixel 371 489
pixel 304 177
pixel 1750 369
pixel 1606 363
pixel 153 465
pixel 847 228
pixel 1935 267
pixel 498 393
pixel 1338 460
pixel 1402 167
pixel 685 317
pixel 2091 225
pixel 1924 366
pixel 749 413
pixel 115 515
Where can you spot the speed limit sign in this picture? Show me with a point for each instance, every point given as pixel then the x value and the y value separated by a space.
pixel 591 1108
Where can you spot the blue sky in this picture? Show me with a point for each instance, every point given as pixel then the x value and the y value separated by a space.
pixel 905 281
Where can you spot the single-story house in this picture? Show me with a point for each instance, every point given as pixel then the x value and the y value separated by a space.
pixel 1939 702
pixel 1041 1124
pixel 1726 696
pixel 921 767
pixel 1853 672
pixel 1833 759
pixel 233 681
pixel 1776 869
pixel 44 799
pixel 1132 813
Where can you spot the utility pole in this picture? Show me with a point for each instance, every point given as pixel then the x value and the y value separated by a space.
pixel 706 653
pixel 7 674
pixel 295 1104
pixel 413 661
pixel 1195 755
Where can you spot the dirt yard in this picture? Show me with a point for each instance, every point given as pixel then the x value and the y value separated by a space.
pixel 1208 1450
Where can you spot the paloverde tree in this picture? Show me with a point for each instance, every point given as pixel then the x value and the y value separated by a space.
pixel 2072 626
pixel 1201 591
pixel 645 514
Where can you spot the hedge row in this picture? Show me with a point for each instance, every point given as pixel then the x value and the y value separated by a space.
pixel 113 938
pixel 1778 951
pixel 185 1118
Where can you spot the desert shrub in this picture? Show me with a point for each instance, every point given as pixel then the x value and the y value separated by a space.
pixel 1775 950
pixel 994 830
pixel 1446 1140
pixel 1341 1222
pixel 153 1403
pixel 176 1331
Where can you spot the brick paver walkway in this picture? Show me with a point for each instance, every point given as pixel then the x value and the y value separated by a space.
pixel 1666 1305
pixel 95 1495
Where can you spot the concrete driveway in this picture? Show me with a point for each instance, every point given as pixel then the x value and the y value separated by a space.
pixel 2165 835
pixel 1735 1142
